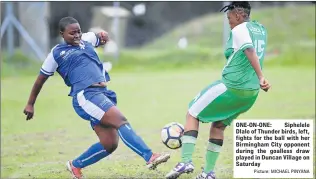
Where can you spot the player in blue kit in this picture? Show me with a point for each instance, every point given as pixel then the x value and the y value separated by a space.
pixel 79 66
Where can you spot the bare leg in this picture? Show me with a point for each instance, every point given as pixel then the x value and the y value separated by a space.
pixel 108 137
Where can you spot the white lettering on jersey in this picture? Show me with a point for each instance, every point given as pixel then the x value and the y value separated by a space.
pixel 67 53
pixel 50 65
pixel 81 45
pixel 62 53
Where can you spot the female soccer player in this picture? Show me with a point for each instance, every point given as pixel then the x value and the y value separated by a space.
pixel 79 66
pixel 224 100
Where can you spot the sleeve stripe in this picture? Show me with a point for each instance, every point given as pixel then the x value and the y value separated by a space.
pixel 97 42
pixel 41 72
pixel 92 38
pixel 46 72
pixel 246 45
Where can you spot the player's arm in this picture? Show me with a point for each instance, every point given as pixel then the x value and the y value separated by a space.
pixel 48 68
pixel 96 39
pixel 243 42
pixel 254 61
pixel 29 109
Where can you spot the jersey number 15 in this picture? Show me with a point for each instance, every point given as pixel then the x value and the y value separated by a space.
pixel 260 48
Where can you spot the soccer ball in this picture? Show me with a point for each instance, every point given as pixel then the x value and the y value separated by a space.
pixel 171 135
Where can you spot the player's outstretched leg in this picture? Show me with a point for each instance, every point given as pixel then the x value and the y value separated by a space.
pixel 108 143
pixel 213 149
pixel 188 144
pixel 113 117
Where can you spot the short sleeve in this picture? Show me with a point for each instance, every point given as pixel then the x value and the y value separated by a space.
pixel 49 66
pixel 106 68
pixel 91 37
pixel 241 37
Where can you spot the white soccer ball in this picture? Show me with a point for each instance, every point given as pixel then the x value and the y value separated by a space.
pixel 171 135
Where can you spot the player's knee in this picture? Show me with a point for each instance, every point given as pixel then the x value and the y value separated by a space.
pixel 115 121
pixel 122 121
pixel 218 126
pixel 110 148
pixel 192 124
pixel 216 141
pixel 110 145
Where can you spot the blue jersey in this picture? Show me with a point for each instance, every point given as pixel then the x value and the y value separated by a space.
pixel 79 66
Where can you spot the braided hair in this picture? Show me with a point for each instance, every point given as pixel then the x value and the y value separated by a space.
pixel 242 7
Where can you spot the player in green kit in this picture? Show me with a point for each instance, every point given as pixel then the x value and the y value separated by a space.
pixel 224 100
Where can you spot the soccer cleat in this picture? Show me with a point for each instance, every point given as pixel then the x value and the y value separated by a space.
pixel 204 175
pixel 180 169
pixel 157 159
pixel 75 172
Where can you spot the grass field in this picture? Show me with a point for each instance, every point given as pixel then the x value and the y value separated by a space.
pixel 39 148
pixel 154 85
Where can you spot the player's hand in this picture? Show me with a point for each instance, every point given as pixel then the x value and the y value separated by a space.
pixel 29 112
pixel 104 37
pixel 264 84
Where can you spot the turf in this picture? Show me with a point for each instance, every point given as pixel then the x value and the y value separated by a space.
pixel 39 148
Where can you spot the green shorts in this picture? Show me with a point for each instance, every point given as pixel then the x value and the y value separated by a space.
pixel 219 103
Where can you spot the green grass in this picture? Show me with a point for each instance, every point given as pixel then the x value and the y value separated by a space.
pixel 285 28
pixel 40 147
pixel 154 85
pixel 18 65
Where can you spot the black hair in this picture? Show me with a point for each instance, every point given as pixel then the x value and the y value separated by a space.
pixel 66 21
pixel 238 5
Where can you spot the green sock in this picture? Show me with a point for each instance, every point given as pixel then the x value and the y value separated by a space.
pixel 212 154
pixel 188 144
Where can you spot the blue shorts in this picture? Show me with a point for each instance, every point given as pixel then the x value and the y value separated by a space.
pixel 91 103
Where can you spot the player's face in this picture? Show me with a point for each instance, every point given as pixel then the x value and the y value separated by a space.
pixel 233 19
pixel 72 34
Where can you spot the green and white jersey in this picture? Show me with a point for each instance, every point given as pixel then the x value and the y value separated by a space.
pixel 238 72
